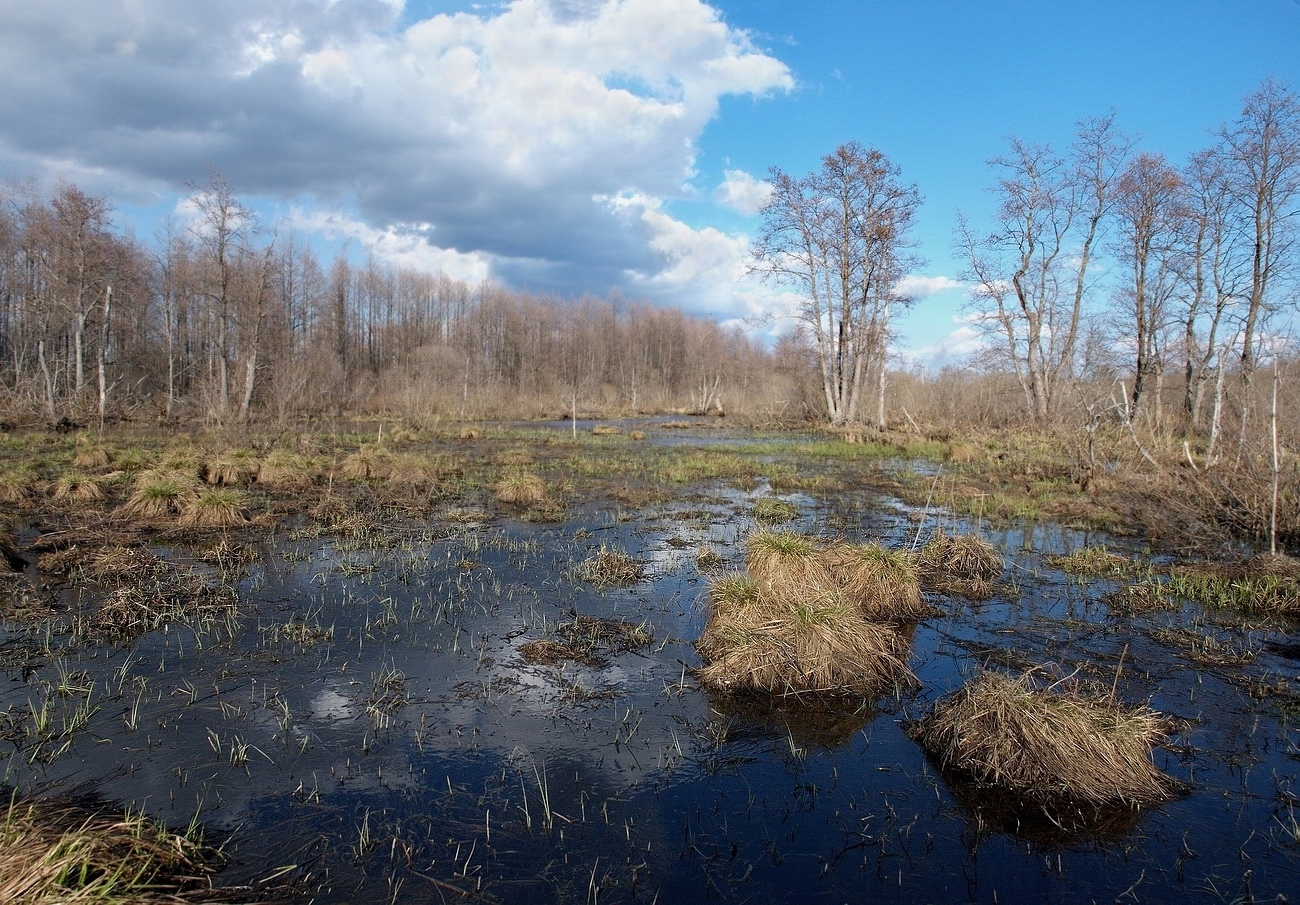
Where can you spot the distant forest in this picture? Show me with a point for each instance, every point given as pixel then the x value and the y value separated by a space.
pixel 222 321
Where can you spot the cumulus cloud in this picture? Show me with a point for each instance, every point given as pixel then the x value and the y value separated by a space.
pixel 742 192
pixel 500 129
pixel 916 286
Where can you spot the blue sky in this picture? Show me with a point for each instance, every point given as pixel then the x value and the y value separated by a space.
pixel 576 146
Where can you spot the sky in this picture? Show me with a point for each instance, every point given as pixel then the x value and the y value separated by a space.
pixel 603 146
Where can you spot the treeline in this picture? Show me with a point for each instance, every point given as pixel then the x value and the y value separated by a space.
pixel 223 321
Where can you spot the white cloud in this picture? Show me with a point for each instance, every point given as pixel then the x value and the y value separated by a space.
pixel 410 247
pixel 916 286
pixel 743 192
pixel 497 127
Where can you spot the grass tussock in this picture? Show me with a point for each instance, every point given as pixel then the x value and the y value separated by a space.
pixel 217 507
pixel 796 569
pixel 610 568
pixel 587 640
pixel 520 488
pixel 606 430
pixel 17 487
pixel 772 511
pixel 288 471
pixel 56 852
pixel 963 564
pixel 753 643
pixel 370 462
pixel 1047 743
pixel 77 488
pixel 160 493
pixel 232 469
pixel 91 458
pixel 1265 585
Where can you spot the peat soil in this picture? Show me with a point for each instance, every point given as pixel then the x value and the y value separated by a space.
pixel 365 725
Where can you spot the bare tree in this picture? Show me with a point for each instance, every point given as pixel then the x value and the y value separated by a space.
pixel 1263 147
pixel 1032 270
pixel 1149 211
pixel 839 237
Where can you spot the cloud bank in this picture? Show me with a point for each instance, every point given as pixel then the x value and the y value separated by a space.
pixel 495 139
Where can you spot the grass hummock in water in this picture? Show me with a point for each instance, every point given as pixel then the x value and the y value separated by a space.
pixel 585 640
pixel 963 564
pixel 56 852
pixel 772 511
pixel 520 488
pixel 609 568
pixel 1047 743
pixel 217 507
pixel 160 493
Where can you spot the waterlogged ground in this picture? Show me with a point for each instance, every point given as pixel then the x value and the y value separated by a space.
pixel 365 727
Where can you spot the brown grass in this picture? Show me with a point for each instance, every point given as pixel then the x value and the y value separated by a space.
pixel 818 648
pixel 520 488
pixel 585 639
pixel 16 487
pixel 881 583
pixel 160 493
pixel 232 468
pixel 283 470
pixel 77 488
pixel 56 852
pixel 1046 743
pixel 91 458
pixel 369 462
pixel 605 430
pixel 215 508
pixel 608 568
pixel 958 564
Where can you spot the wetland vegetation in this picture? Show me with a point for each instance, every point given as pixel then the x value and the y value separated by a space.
pixel 675 661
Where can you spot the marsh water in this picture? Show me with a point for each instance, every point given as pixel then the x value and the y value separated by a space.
pixel 366 728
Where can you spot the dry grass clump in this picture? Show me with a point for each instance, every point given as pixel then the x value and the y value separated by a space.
pixel 803 648
pixel 609 568
pixel 56 852
pixel 585 639
pixel 771 511
pixel 520 488
pixel 77 488
pixel 958 564
pixel 636 435
pixel 790 567
pixel 91 457
pixel 676 425
pixel 469 433
pixel 16 487
pixel 418 474
pixel 118 563
pixel 284 470
pixel 369 462
pixel 160 493
pixel 239 466
pixel 214 508
pixel 882 583
pixel 605 430
pixel 1047 744
pixel 141 607
pixel 960 452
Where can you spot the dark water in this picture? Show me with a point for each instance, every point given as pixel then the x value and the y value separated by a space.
pixel 404 750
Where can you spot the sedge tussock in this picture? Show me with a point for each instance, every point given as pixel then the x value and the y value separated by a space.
pixel 816 648
pixel 77 488
pixel 160 493
pixel 369 462
pixel 283 470
pixel 237 467
pixel 417 474
pixel 605 430
pixel 958 564
pixel 882 583
pixel 520 488
pixel 1046 744
pixel 214 508
pixel 771 511
pixel 608 568
pixel 16 487
pixel 91 458
pixel 55 851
